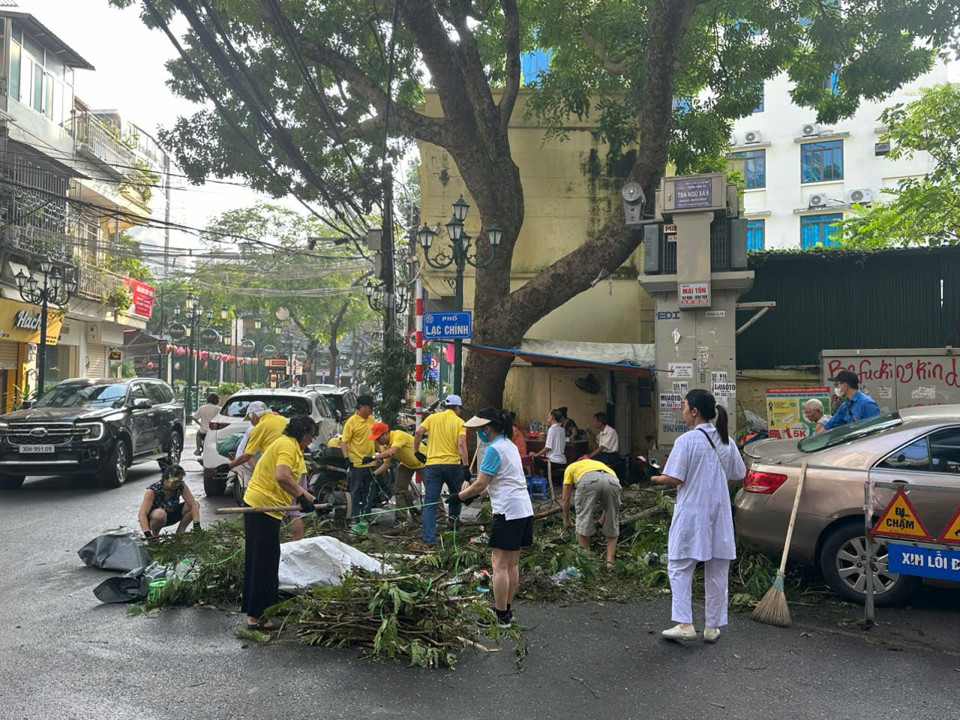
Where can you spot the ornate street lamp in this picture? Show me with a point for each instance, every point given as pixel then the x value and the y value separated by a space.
pixel 50 287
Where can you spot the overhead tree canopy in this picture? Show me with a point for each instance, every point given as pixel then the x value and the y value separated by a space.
pixel 301 97
pixel 920 210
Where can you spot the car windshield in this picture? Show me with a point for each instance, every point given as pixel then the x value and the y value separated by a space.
pixel 236 407
pixel 846 433
pixel 111 395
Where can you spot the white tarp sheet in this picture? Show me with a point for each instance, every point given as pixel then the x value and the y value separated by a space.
pixel 321 561
pixel 638 355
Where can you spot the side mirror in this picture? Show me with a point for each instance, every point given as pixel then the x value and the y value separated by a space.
pixel 27 404
pixel 142 404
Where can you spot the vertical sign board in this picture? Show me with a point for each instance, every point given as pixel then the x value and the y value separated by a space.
pixel 694 295
pixel 785 418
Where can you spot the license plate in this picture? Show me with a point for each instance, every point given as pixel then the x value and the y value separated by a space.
pixel 35 449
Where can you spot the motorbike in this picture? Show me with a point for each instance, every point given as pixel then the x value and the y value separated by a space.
pixel 329 473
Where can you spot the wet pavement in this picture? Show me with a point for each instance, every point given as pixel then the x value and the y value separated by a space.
pixel 64 655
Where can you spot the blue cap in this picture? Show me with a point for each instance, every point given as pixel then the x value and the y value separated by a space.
pixel 453 401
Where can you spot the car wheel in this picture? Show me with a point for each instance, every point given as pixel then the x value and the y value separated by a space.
pixel 173 452
pixel 238 490
pixel 843 565
pixel 11 482
pixel 115 471
pixel 215 482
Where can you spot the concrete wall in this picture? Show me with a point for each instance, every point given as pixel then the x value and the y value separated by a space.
pixel 752 386
pixel 784 200
pixel 568 194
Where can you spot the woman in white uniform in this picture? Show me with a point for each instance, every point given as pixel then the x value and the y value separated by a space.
pixel 702 463
pixel 501 475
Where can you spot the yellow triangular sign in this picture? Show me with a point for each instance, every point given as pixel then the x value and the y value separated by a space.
pixel 900 520
pixel 951 531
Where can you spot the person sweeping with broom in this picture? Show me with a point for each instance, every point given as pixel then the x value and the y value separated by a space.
pixel 703 461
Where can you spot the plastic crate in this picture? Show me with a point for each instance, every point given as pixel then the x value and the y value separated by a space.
pixel 537 487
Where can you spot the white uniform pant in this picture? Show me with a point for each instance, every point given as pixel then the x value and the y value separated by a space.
pixel 715 574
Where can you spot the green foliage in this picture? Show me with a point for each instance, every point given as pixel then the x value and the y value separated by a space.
pixel 599 63
pixel 390 370
pixel 124 256
pixel 119 298
pixel 920 210
pixel 227 388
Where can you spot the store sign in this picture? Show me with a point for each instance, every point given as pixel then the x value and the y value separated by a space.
pixel 785 418
pixel 178 331
pixel 209 336
pixel 275 363
pixel 248 345
pixel 300 356
pixel 694 295
pixel 142 296
pixel 20 322
pixel 269 349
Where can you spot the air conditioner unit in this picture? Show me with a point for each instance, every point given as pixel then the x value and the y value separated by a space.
pixel 752 136
pixel 861 195
pixel 734 140
pixel 810 130
pixel 817 201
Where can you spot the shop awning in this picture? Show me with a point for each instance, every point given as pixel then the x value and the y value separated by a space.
pixel 636 359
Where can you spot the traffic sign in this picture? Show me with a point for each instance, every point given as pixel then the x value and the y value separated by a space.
pixel 951 531
pixel 434 362
pixel 412 339
pixel 447 326
pixel 923 561
pixel 899 520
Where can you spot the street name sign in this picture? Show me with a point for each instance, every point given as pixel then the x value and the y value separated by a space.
pixel 447 326
pixel 899 520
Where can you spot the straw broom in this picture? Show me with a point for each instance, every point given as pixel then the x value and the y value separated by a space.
pixel 773 609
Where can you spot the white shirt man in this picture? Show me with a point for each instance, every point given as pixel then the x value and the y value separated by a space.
pixel 813 412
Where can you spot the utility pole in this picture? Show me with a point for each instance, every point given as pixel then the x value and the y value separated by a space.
pixel 389 281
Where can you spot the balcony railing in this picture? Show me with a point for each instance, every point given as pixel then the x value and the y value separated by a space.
pixel 38 242
pixel 95 139
pixel 98 284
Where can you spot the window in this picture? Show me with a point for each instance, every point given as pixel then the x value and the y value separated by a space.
pixel 821 161
pixel 818 229
pixel 15 71
pixel 754 167
pixel 155 394
pixel 912 457
pixel 322 406
pixel 755 234
pixel 945 451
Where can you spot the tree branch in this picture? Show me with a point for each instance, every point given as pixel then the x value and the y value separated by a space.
pixel 410 122
pixel 511 49
pixel 617 68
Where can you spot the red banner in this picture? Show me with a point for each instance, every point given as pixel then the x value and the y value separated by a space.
pixel 142 297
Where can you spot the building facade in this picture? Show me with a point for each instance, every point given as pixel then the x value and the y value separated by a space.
pixel 802 177
pixel 71 181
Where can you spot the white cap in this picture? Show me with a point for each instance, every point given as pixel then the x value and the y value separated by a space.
pixel 453 401
pixel 257 408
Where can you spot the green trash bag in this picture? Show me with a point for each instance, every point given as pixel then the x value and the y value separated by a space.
pixel 228 445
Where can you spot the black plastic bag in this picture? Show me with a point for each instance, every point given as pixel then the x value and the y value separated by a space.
pixel 120 550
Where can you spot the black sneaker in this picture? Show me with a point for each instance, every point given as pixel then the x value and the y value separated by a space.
pixel 502 622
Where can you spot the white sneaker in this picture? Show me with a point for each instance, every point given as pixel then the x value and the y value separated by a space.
pixel 710 634
pixel 679 633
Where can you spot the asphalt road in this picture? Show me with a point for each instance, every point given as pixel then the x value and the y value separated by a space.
pixel 63 655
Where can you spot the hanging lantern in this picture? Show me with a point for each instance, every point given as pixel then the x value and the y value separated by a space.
pixel 150 365
pixel 176 366
pixel 204 364
pixel 181 352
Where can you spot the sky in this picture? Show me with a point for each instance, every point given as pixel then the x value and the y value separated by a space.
pixel 130 76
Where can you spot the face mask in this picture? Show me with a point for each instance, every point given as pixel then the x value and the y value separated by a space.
pixel 837 391
pixel 483 435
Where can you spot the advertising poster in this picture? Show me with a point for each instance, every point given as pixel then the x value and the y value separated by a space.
pixel 785 410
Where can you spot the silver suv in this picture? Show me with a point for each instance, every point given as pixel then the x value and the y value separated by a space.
pixel 287 402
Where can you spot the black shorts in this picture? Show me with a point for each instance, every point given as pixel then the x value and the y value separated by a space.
pixel 174 516
pixel 511 534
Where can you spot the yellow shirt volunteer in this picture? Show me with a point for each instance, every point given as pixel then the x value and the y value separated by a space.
pixel 579 468
pixel 444 429
pixel 404 454
pixel 264 491
pixel 356 436
pixel 265 432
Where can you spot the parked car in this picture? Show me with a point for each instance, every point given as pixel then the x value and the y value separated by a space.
pixel 918 445
pixel 342 401
pixel 92 427
pixel 232 419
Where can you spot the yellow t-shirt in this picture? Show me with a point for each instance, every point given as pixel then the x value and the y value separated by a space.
pixel 404 454
pixel 356 436
pixel 265 432
pixel 444 429
pixel 576 470
pixel 264 491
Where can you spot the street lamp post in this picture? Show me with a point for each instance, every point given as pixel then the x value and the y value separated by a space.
pixel 194 313
pixel 51 287
pixel 459 256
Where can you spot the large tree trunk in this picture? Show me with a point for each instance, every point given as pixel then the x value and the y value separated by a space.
pixel 502 320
